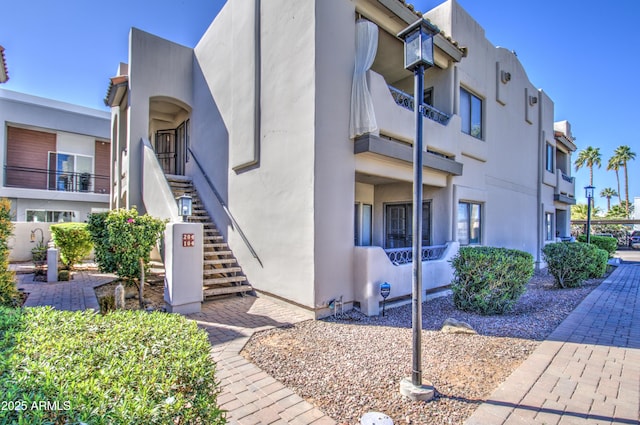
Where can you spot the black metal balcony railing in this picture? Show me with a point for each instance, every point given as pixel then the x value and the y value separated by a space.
pixel 566 177
pixel 406 101
pixel 37 178
pixel 400 256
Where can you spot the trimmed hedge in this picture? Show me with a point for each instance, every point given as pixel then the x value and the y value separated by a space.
pixel 607 243
pixel 572 263
pixel 126 367
pixel 489 280
pixel 74 241
pixel 9 295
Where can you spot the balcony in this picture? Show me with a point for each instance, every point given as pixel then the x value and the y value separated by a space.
pixel 565 188
pixel 406 101
pixel 395 117
pixel 61 181
pixel 374 265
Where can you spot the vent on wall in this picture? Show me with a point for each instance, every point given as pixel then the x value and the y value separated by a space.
pixel 505 77
pixel 533 100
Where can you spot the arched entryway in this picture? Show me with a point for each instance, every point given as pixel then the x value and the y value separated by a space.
pixel 169 132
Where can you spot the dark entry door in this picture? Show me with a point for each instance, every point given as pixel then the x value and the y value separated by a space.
pixel 166 150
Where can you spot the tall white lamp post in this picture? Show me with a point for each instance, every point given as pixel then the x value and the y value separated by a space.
pixel 418 55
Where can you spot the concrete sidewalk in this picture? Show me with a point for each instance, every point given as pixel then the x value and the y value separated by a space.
pixel 586 372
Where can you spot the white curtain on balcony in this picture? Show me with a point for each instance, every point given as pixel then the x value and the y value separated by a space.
pixel 363 119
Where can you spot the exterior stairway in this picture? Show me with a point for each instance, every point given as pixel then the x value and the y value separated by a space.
pixel 222 274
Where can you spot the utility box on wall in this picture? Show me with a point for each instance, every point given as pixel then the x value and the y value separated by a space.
pixel 183 267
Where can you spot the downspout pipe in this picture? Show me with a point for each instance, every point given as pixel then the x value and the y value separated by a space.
pixel 539 208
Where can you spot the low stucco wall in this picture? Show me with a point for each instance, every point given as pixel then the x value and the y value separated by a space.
pixel 20 244
pixel 373 267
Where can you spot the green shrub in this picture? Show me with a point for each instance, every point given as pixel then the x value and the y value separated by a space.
pixel 607 243
pixel 8 291
pixel 73 240
pixel 107 303
pixel 489 280
pixel 103 251
pixel 572 263
pixel 598 261
pixel 122 238
pixel 126 367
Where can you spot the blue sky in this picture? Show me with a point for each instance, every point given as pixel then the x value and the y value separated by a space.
pixel 582 53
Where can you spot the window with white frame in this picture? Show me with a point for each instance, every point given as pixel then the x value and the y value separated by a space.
pixel 469 223
pixel 44 216
pixel 471 113
pixel 548 227
pixel 70 172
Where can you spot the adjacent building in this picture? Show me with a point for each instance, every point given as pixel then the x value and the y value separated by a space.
pixel 294 121
pixel 55 160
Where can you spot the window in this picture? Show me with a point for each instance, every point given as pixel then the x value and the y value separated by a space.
pixel 70 172
pixel 469 223
pixel 548 227
pixel 471 113
pixel 42 216
pixel 399 225
pixel 549 166
pixel 427 97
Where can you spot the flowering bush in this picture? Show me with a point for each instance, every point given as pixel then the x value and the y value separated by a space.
pixel 123 237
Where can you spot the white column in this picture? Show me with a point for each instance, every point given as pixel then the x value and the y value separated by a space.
pixel 183 264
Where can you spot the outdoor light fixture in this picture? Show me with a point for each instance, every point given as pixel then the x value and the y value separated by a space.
pixel 385 290
pixel 33 235
pixel 418 55
pixel 184 206
pixel 418 44
pixel 588 192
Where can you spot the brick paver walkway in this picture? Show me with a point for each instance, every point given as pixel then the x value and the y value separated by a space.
pixel 587 372
pixel 77 294
pixel 248 394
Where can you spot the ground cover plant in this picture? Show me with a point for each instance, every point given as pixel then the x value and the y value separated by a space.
pixel 489 280
pixel 127 367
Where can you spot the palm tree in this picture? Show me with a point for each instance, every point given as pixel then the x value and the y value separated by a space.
pixel 579 212
pixel 589 157
pixel 623 155
pixel 608 193
pixel 615 166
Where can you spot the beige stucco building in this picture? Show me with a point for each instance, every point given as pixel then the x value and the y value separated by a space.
pixel 311 160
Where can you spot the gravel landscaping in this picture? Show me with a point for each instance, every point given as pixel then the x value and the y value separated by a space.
pixel 352 365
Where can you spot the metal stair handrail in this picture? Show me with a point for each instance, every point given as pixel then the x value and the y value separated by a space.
pixel 234 223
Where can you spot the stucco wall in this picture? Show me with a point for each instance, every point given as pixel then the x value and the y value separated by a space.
pixel 273 202
pixel 334 159
pixel 501 170
pixel 157 67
